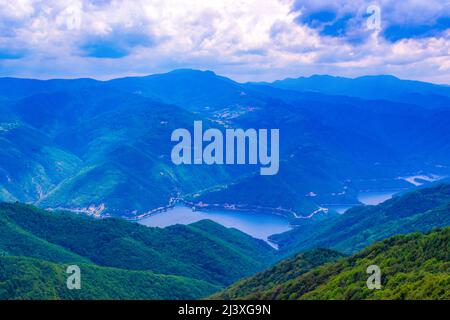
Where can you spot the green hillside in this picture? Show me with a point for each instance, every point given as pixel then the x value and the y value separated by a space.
pixel 205 251
pixel 26 278
pixel 413 266
pixel 420 210
pixel 258 285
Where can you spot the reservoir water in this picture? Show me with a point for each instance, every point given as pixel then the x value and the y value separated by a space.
pixel 365 197
pixel 259 225
pixel 376 197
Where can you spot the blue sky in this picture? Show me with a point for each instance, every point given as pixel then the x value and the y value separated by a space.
pixel 247 40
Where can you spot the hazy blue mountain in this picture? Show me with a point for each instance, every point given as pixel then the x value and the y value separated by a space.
pixel 113 140
pixel 15 88
pixel 106 144
pixel 200 91
pixel 372 88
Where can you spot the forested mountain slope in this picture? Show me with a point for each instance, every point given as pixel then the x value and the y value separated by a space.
pixel 204 250
pixel 419 210
pixel 413 266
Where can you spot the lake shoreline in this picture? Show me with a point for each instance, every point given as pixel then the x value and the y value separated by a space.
pixel 285 213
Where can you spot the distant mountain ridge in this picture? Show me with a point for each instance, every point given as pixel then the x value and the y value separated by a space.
pixel 373 88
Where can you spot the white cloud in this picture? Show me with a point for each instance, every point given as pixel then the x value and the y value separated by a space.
pixel 247 40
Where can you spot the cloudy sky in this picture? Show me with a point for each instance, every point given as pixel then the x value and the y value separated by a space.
pixel 247 40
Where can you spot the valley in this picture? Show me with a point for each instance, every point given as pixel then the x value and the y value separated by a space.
pixel 126 260
pixel 258 223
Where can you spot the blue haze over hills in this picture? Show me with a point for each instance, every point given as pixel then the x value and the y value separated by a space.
pixel 106 144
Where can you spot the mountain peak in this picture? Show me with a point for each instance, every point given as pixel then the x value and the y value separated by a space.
pixel 192 71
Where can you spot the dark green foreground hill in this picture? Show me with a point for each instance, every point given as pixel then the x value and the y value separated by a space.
pixel 414 266
pixel 177 262
pixel 254 287
pixel 26 278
